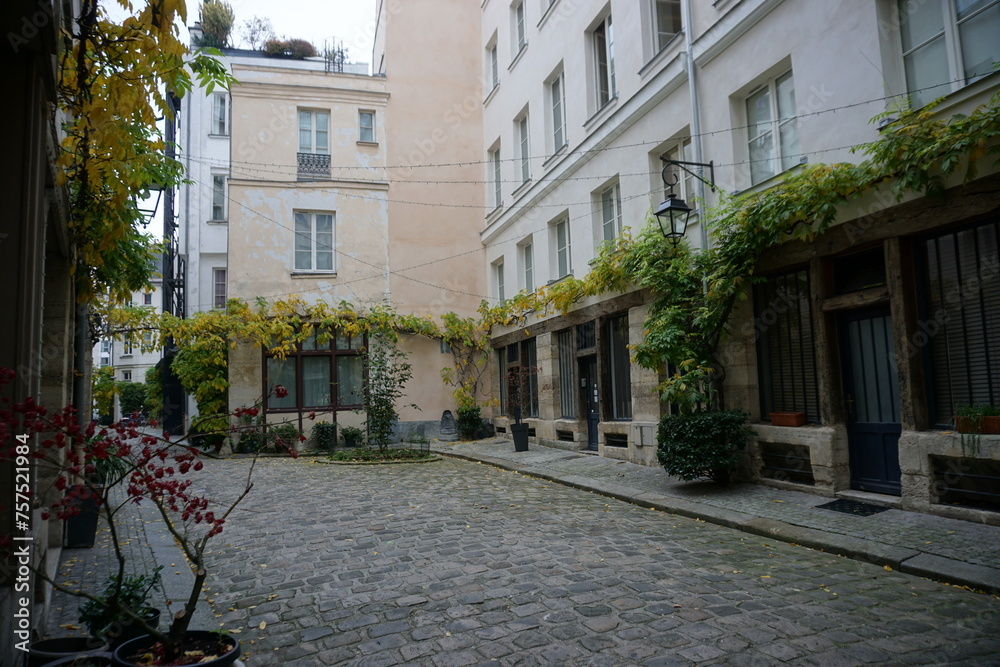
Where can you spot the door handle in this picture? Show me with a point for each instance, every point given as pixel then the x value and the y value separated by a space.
pixel 850 404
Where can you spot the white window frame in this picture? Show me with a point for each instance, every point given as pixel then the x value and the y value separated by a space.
pixel 308 122
pixel 126 376
pixel 527 252
pixel 499 281
pixel 493 65
pixel 661 38
pixel 605 85
pixel 523 139
pixel 147 298
pixel 127 348
pixel 563 245
pixel 219 208
pixel 496 175
pixel 312 218
pixel 783 156
pixel 219 280
pixel 609 204
pixel 220 115
pixel 370 127
pixel 557 109
pixel 952 33
pixel 519 27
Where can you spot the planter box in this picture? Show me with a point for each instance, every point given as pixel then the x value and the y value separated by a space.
pixel 787 418
pixel 987 426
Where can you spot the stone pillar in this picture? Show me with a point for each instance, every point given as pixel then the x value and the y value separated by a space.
pixel 548 385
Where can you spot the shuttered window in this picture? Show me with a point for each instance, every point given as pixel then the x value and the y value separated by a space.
pixel 786 359
pixel 519 385
pixel 960 319
pixel 567 373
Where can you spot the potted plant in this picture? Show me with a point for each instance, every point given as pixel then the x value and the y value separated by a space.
pixel 518 390
pixel 324 435
pixel 47 651
pixel 353 436
pixel 702 444
pixel 104 617
pixel 787 418
pixel 157 472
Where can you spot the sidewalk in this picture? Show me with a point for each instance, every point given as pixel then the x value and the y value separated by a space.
pixel 146 544
pixel 948 550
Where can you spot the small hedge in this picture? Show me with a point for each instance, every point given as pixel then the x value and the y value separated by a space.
pixel 703 444
pixel 469 422
pixel 325 435
pixel 366 455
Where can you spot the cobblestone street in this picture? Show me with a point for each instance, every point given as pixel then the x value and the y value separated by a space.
pixel 457 563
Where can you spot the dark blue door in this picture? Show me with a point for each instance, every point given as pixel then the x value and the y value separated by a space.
pixel 588 390
pixel 871 389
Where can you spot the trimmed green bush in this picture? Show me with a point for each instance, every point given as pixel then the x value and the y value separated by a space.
pixel 325 435
pixel 469 421
pixel 703 444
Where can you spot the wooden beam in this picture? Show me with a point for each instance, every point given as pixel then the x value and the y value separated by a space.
pixel 870 297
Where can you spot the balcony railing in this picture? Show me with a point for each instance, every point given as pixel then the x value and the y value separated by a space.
pixel 313 166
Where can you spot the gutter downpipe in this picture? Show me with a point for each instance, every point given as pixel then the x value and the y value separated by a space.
pixel 695 115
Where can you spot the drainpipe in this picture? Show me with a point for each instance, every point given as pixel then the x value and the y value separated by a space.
pixel 81 395
pixel 695 115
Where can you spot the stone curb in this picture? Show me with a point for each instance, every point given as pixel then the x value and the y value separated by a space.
pixel 908 561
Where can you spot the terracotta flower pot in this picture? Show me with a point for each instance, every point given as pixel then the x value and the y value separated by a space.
pixel 787 418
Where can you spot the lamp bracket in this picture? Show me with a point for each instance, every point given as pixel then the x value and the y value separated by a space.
pixel 710 182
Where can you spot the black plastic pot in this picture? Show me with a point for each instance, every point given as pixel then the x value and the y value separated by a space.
pixel 135 646
pixel 46 651
pixel 81 528
pixel 119 633
pixel 520 433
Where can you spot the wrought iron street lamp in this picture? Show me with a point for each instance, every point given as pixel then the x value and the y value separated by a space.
pixel 673 213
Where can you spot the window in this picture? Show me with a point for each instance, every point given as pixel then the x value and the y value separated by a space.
pixel 960 319
pixel 524 148
pixel 519 367
pixel 498 272
pixel 147 298
pixel 685 188
pixel 786 361
pixel 502 366
pixel 772 128
pixel 520 36
pixel 567 373
pixel 126 348
pixel 219 288
pixel 619 368
pixel 366 126
pixel 528 264
pixel 147 338
pixel 494 158
pixel 314 236
pixel 947 44
pixel 314 132
pixel 557 98
pixel 611 212
pixel 668 21
pixel 126 376
pixel 317 375
pixel 218 197
pixel 562 245
pixel 604 60
pixel 220 114
pixel 493 76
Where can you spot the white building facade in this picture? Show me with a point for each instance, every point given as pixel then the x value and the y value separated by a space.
pixel 583 101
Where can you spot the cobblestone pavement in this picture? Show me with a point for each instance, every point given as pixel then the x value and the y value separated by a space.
pixel 914 532
pixel 454 563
